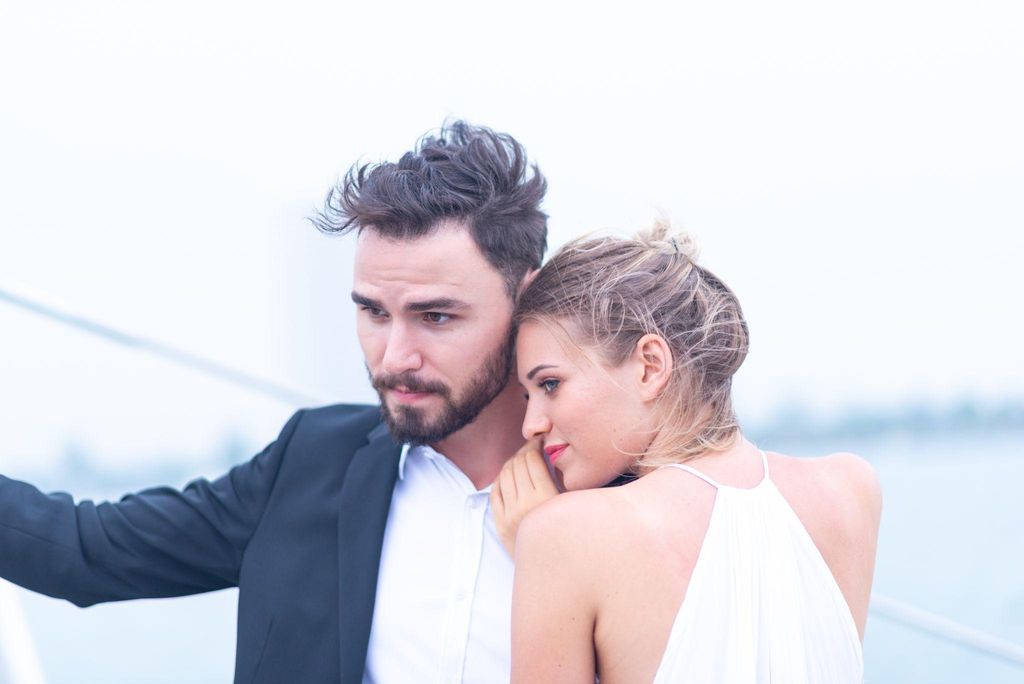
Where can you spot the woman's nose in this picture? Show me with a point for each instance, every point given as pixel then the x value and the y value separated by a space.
pixel 535 423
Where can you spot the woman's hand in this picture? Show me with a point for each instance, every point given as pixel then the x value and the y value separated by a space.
pixel 523 484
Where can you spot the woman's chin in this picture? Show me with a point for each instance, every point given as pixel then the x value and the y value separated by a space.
pixel 568 480
pixel 559 478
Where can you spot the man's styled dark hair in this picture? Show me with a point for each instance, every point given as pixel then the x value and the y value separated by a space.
pixel 464 173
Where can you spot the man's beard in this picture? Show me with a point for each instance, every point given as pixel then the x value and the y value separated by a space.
pixel 410 424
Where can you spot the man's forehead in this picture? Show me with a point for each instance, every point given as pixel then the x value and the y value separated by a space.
pixel 445 260
pixel 429 273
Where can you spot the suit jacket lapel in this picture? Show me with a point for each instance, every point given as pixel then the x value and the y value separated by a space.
pixel 362 516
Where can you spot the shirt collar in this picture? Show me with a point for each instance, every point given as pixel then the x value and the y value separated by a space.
pixel 429 453
pixel 401 461
pixel 418 450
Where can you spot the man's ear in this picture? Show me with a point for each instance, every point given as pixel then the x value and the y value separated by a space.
pixel 525 282
pixel 653 360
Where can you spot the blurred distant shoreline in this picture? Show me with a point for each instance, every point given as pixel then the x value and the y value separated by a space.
pixel 962 416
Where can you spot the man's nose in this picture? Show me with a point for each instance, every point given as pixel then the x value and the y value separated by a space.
pixel 401 353
pixel 535 423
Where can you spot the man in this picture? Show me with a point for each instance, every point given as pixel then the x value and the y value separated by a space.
pixel 447 238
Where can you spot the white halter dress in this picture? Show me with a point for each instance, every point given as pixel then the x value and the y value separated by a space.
pixel 762 606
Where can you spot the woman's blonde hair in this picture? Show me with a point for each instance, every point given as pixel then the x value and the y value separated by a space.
pixel 613 291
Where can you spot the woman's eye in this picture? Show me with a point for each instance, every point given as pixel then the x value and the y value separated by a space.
pixel 435 317
pixel 549 385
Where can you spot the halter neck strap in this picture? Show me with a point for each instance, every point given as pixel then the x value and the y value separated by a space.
pixel 693 471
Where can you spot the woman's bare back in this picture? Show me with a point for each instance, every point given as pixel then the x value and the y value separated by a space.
pixel 625 555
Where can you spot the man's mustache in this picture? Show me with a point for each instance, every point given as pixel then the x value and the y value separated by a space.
pixel 409 382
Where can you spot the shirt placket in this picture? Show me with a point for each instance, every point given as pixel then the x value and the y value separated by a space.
pixel 463 587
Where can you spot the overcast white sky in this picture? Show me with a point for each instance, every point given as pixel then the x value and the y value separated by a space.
pixel 855 171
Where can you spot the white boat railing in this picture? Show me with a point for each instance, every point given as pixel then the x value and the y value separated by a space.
pixel 14 635
pixel 19 663
pixel 949 630
pixel 51 308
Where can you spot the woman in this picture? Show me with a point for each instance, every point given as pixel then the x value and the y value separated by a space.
pixel 627 350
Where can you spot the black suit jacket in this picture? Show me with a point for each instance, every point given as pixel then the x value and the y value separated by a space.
pixel 298 529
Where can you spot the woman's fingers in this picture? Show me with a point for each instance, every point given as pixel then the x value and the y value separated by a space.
pixel 503 508
pixel 497 503
pixel 533 479
pixel 523 484
pixel 509 484
pixel 521 472
pixel 540 476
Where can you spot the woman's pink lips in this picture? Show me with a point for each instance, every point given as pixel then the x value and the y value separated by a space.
pixel 553 452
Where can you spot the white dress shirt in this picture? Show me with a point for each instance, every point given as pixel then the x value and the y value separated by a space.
pixel 444 592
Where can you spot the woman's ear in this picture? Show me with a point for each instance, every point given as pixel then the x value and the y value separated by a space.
pixel 654 365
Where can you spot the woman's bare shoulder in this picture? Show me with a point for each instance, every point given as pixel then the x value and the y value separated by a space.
pixel 848 473
pixel 574 513
pixel 841 467
pixel 575 525
pixel 844 484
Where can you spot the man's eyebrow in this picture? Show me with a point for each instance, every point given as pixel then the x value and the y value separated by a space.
pixel 537 369
pixel 360 300
pixel 438 303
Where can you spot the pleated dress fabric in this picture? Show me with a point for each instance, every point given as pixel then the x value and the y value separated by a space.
pixel 762 605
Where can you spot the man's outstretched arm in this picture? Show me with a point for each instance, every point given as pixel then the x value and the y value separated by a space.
pixel 159 542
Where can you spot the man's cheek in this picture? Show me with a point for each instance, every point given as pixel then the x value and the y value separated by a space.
pixel 372 350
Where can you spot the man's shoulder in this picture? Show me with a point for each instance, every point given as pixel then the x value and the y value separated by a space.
pixel 343 414
pixel 339 419
pixel 332 432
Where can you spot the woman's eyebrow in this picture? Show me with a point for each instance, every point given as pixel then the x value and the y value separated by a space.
pixel 537 369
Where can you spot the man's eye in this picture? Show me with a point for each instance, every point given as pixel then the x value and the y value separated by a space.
pixel 549 385
pixel 435 317
pixel 374 311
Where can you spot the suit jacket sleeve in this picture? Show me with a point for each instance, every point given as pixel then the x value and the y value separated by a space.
pixel 156 543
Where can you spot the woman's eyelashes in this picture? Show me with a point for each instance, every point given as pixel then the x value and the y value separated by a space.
pixel 549 385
